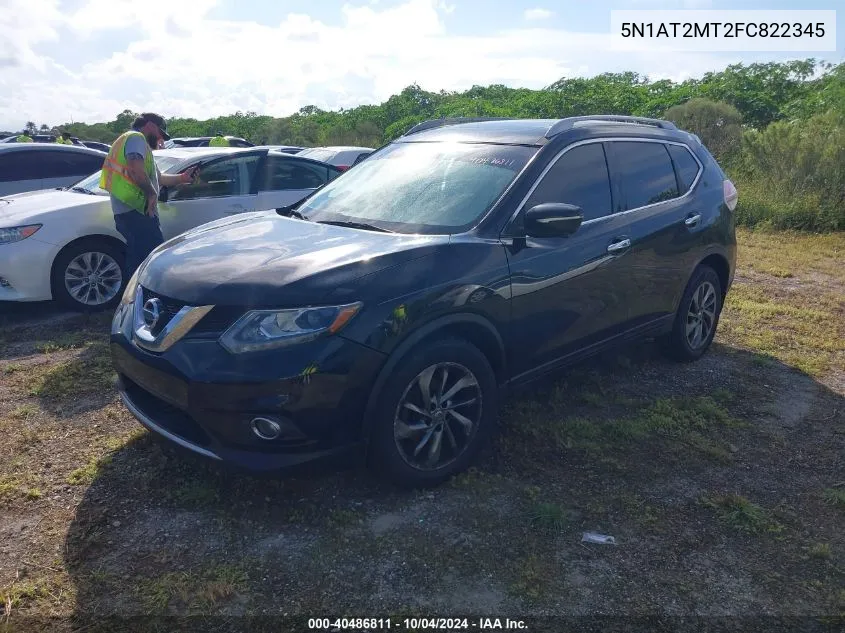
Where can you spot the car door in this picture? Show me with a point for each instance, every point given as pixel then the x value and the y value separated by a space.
pixel 657 212
pixel 66 168
pixel 227 186
pixel 287 180
pixel 568 293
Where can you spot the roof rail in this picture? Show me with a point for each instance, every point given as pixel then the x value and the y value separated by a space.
pixel 434 123
pixel 568 123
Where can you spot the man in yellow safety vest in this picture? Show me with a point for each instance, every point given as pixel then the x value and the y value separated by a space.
pixel 219 141
pixel 23 137
pixel 132 179
pixel 64 139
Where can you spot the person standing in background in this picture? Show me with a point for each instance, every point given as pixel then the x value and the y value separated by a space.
pixel 219 141
pixel 132 179
pixel 23 137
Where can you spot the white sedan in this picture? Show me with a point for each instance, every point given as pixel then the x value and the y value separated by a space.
pixel 62 244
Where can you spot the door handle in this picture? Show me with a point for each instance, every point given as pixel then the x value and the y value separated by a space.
pixel 692 220
pixel 619 246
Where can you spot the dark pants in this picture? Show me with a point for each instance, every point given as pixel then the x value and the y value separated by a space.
pixel 142 234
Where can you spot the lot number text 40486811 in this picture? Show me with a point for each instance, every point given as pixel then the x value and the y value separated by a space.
pixel 416 624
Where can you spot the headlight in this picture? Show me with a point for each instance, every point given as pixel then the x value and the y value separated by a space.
pixel 17 233
pixel 131 285
pixel 268 329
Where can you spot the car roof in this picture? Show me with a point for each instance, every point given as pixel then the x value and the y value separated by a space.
pixel 194 152
pixel 340 148
pixel 45 147
pixel 532 131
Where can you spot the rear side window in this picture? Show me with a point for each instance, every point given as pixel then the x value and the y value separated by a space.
pixel 579 177
pixel 685 166
pixel 24 165
pixel 645 172
pixel 286 174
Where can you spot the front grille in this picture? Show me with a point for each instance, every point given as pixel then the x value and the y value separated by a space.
pixel 169 310
pixel 213 323
pixel 165 415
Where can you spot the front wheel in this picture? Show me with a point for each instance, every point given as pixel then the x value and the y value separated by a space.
pixel 434 413
pixel 697 316
pixel 88 276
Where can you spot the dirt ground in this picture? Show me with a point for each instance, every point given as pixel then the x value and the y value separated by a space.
pixel 722 482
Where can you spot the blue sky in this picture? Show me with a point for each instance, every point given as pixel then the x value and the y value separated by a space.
pixel 90 59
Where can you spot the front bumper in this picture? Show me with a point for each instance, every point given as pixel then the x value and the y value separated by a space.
pixel 25 268
pixel 202 398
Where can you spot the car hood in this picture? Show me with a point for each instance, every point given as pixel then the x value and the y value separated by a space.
pixel 264 259
pixel 23 207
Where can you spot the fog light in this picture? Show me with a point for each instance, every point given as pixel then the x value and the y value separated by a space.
pixel 265 428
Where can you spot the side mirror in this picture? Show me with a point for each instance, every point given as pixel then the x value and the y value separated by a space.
pixel 552 219
pixel 163 194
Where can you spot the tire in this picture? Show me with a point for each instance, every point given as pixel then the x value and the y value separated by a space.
pixel 393 455
pixel 687 346
pixel 104 257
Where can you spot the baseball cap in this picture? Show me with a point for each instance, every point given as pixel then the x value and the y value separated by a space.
pixel 152 117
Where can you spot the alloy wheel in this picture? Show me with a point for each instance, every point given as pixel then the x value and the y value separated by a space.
pixel 701 316
pixel 93 278
pixel 437 416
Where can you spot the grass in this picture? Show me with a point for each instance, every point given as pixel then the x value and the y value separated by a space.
pixel 534 576
pixel 835 497
pixel 87 473
pixel 801 331
pixel 549 517
pixel 65 341
pixel 742 514
pixel 24 411
pixel 91 372
pixel 194 591
pixel 821 551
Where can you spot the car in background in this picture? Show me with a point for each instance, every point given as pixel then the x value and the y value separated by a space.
pixel 63 245
pixel 388 312
pixel 103 147
pixel 341 157
pixel 41 138
pixel 202 141
pixel 286 149
pixel 33 166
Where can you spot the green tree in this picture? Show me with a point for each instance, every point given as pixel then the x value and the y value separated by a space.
pixel 718 125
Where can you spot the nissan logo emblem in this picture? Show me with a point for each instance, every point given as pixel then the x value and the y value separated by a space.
pixel 152 312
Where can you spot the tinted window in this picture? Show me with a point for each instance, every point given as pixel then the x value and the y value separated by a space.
pixel 685 166
pixel 220 179
pixel 646 173
pixel 25 165
pixel 284 174
pixel 579 177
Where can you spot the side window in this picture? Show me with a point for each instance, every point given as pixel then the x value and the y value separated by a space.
pixel 645 171
pixel 685 166
pixel 220 179
pixel 80 164
pixel 579 177
pixel 334 172
pixel 285 174
pixel 9 168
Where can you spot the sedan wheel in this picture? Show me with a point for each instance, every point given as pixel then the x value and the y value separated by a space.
pixel 93 279
pixel 438 416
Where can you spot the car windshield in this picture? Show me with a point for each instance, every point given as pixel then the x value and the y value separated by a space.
pixel 92 183
pixel 434 188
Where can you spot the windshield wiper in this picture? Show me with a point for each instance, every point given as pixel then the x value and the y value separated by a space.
pixel 290 212
pixel 80 190
pixel 356 225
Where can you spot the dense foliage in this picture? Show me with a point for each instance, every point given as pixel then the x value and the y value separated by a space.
pixel 775 126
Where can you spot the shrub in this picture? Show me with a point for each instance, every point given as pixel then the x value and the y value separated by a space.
pixel 717 124
pixel 791 175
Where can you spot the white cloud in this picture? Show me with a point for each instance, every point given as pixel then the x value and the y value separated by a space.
pixel 537 14
pixel 191 64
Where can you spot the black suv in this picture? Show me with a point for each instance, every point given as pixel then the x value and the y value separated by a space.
pixel 388 310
